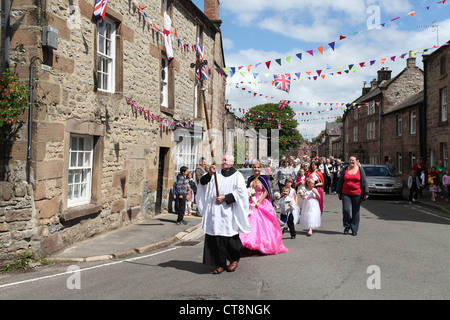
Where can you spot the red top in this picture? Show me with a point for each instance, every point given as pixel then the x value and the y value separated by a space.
pixel 352 183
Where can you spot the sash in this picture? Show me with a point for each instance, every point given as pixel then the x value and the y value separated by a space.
pixel 265 182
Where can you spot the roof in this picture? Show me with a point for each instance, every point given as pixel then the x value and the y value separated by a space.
pixel 411 101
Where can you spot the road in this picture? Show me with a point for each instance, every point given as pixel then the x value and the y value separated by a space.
pixel 400 252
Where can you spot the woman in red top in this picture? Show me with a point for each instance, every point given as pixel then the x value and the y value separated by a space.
pixel 352 189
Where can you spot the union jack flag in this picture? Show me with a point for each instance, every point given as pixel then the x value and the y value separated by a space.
pixel 200 49
pixel 283 104
pixel 100 9
pixel 283 82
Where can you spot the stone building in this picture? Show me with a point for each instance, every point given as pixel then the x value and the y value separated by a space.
pixel 119 118
pixel 368 132
pixel 435 139
pixel 332 133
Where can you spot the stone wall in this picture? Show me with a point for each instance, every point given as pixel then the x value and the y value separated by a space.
pixel 18 228
pixel 127 142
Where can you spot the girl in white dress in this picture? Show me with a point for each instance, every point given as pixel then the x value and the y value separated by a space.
pixel 310 217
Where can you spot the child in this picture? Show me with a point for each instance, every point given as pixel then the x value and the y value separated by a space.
pixel 286 203
pixel 179 194
pixel 311 214
pixel 413 186
pixel 300 181
pixel 446 183
pixel 433 181
pixel 293 194
pixel 189 199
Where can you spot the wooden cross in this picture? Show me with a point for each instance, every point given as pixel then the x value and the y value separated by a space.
pixel 198 66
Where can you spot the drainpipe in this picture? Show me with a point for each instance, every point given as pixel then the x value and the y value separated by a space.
pixel 7 33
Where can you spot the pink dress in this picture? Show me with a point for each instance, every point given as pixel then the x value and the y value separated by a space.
pixel 266 235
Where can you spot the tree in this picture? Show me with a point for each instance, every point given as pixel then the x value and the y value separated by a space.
pixel 268 116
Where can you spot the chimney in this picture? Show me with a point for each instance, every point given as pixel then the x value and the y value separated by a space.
pixel 374 83
pixel 411 61
pixel 212 10
pixel 365 89
pixel 384 74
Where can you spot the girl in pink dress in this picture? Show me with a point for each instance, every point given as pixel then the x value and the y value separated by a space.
pixel 266 235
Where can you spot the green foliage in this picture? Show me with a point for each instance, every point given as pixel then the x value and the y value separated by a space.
pixel 268 116
pixel 14 98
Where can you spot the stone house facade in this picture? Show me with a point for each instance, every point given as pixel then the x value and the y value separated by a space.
pixel 368 132
pixel 331 134
pixel 119 119
pixel 436 136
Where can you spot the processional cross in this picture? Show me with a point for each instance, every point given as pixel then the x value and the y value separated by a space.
pixel 198 65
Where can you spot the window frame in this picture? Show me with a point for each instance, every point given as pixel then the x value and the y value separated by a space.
pixel 412 122
pixel 87 170
pixel 110 57
pixel 443 104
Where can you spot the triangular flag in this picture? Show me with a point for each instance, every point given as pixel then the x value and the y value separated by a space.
pixel 249 67
pixel 323 76
pixel 361 64
pixel 298 75
pixel 320 49
pixel 328 66
pixel 331 44
pixel 310 52
pixel 278 61
pixel 288 59
pixel 299 55
pixel 268 64
pixel 319 72
pixel 411 14
pixel 342 37
pixel 372 62
pixel 308 73
pixel 395 18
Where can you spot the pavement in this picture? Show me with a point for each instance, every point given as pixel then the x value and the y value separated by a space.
pixel 142 237
pixel 162 231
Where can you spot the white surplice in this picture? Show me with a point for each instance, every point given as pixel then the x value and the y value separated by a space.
pixel 224 219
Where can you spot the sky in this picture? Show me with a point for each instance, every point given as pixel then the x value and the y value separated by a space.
pixel 257 31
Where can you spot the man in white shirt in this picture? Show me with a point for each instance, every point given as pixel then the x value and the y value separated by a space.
pixel 224 216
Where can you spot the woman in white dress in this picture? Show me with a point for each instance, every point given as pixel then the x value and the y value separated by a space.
pixel 310 217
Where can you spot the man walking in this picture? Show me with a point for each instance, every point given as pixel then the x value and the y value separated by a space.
pixel 224 216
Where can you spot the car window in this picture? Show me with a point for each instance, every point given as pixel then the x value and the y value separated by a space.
pixel 377 172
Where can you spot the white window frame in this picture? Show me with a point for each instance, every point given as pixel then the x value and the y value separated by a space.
pixel 399 162
pixel 371 130
pixel 399 125
pixel 355 134
pixel 443 103
pixel 187 150
pixel 164 82
pixel 412 122
pixel 445 154
pixel 79 184
pixel 106 56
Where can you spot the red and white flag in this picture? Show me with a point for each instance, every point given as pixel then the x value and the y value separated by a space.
pixel 100 9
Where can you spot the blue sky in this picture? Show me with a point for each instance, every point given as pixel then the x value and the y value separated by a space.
pixel 256 31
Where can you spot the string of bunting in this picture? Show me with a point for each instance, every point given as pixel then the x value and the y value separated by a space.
pixel 171 125
pixel 310 75
pixel 332 44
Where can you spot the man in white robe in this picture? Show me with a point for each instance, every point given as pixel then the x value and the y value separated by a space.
pixel 224 216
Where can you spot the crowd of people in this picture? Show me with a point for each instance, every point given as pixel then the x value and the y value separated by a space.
pixel 437 179
pixel 240 215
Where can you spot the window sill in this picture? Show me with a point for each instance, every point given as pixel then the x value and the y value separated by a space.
pixel 168 111
pixel 80 211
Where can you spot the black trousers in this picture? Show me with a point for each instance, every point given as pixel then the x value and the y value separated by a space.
pixel 180 207
pixel 218 249
pixel 290 223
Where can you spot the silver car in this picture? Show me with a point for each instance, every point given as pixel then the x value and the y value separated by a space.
pixel 381 181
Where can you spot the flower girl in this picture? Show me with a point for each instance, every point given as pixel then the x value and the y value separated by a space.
pixel 310 217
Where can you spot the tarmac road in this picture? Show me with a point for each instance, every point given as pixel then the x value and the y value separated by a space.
pixel 400 252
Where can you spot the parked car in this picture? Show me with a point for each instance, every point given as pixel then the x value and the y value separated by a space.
pixel 382 181
pixel 246 172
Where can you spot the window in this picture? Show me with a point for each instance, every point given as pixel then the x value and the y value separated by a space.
pixel 355 134
pixel 399 162
pixel 106 52
pixel 443 102
pixel 443 65
pixel 399 125
pixel 80 170
pixel 371 108
pixel 187 150
pixel 412 159
pixel 371 130
pixel 444 152
pixel 164 82
pixel 412 122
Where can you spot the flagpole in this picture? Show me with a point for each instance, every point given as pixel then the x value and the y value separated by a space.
pixel 199 64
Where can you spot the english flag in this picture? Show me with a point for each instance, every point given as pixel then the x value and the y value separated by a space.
pixel 283 82
pixel 100 9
